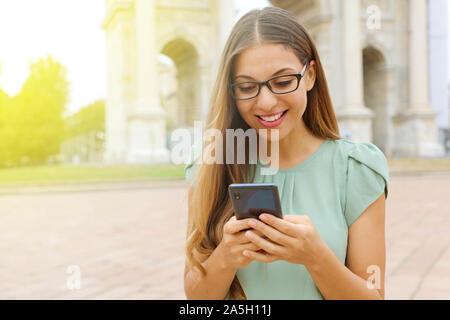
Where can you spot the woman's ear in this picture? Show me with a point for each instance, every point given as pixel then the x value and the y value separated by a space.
pixel 311 75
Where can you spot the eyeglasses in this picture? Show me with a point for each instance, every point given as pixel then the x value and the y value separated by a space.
pixel 283 84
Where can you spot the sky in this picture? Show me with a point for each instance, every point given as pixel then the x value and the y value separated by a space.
pixel 69 30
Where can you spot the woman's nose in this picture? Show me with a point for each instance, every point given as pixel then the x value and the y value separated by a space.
pixel 266 99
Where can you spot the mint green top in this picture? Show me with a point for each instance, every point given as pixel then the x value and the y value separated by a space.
pixel 333 187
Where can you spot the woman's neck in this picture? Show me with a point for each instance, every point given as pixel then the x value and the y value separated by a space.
pixel 295 147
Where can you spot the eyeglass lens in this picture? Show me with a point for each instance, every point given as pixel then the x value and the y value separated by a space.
pixel 280 85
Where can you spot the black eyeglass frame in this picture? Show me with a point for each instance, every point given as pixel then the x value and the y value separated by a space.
pixel 299 77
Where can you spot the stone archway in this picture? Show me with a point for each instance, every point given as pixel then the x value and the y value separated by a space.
pixel 376 94
pixel 190 33
pixel 185 57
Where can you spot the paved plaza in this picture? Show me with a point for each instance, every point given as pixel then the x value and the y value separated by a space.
pixel 125 240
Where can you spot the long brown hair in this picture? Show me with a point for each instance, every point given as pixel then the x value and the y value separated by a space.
pixel 210 204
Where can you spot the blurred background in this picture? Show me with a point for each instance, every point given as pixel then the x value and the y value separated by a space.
pixel 91 91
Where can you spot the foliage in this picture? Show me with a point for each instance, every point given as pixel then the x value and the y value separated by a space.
pixel 31 123
pixel 88 119
pixel 85 134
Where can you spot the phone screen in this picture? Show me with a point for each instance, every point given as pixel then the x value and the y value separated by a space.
pixel 250 200
pixel 261 199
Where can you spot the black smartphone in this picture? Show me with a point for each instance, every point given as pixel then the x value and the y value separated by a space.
pixel 251 199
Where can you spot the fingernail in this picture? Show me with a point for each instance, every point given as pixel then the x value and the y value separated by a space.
pixel 246 253
pixel 252 223
pixel 249 234
pixel 264 217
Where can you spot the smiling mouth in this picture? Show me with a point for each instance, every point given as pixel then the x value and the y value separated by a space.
pixel 272 117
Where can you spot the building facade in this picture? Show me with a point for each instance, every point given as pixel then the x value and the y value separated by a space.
pixel 376 61
pixel 438 57
pixel 191 33
pixel 375 55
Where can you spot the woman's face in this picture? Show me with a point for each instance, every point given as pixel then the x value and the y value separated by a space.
pixel 269 110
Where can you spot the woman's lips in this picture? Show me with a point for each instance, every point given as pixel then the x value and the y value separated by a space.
pixel 272 124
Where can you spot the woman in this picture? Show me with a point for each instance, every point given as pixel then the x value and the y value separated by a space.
pixel 331 242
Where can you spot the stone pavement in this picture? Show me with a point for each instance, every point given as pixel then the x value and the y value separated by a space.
pixel 126 240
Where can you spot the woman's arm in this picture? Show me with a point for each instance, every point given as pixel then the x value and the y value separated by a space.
pixel 216 283
pixel 366 256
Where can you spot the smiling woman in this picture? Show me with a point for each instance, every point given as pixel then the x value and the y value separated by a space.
pixel 332 190
pixel 279 83
pixel 282 106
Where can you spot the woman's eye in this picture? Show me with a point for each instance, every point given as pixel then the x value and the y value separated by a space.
pixel 283 83
pixel 247 88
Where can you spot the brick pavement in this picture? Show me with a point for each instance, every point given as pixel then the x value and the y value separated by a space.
pixel 127 239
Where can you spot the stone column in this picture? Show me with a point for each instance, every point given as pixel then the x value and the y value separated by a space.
pixel 225 21
pixel 118 26
pixel 418 55
pixel 147 83
pixel 355 120
pixel 223 13
pixel 205 88
pixel 416 131
pixel 147 121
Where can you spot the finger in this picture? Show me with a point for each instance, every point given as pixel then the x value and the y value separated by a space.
pixel 257 232
pixel 265 244
pixel 302 223
pixel 260 256
pixel 233 225
pixel 272 233
pixel 298 219
pixel 241 238
pixel 281 225
pixel 249 246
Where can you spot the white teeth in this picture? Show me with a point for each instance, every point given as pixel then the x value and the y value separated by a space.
pixel 272 118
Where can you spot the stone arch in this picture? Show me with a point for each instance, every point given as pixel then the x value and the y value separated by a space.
pixel 178 33
pixel 371 42
pixel 186 59
pixel 376 94
pixel 183 36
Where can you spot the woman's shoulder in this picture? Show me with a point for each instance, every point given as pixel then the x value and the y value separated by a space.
pixel 366 175
pixel 349 146
pixel 364 152
pixel 362 160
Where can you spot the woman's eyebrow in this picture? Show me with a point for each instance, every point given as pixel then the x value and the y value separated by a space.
pixel 279 71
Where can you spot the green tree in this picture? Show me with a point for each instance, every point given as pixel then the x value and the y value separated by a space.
pixel 88 119
pixel 6 128
pixel 86 125
pixel 37 112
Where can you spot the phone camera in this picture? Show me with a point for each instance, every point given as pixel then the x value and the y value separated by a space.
pixel 237 195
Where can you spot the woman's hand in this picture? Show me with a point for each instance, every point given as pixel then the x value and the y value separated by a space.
pixel 234 242
pixel 293 238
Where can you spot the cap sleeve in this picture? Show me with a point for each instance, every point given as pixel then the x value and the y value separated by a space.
pixel 191 166
pixel 367 179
